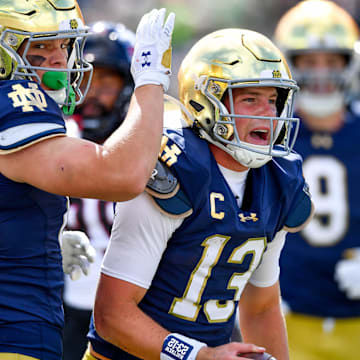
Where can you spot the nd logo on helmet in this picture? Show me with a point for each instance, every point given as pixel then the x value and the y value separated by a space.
pixel 276 74
pixel 74 24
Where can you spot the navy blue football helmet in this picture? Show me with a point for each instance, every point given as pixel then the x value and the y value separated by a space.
pixel 110 45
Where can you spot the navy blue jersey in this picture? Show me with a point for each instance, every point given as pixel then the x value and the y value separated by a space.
pixel 309 257
pixel 31 276
pixel 211 256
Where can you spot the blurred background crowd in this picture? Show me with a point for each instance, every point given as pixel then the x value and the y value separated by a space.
pixel 194 19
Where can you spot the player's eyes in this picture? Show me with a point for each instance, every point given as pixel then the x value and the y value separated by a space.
pixel 39 46
pixel 249 99
pixel 65 44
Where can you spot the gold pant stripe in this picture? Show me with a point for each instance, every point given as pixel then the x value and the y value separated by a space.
pixel 90 354
pixel 15 356
pixel 315 338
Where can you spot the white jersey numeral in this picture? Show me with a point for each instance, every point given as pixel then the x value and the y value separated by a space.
pixel 188 306
pixel 327 179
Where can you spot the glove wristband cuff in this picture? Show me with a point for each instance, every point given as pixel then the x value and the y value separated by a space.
pixel 153 77
pixel 177 346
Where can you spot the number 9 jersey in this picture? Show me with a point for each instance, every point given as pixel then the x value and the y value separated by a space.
pixel 309 257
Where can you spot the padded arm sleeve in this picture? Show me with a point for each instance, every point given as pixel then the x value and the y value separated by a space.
pixel 167 194
pixel 28 115
pixel 301 211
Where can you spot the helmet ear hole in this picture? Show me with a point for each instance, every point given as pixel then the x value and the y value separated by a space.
pixel 213 73
pixel 22 24
pixel 281 135
pixel 198 107
pixel 281 100
pixel 6 64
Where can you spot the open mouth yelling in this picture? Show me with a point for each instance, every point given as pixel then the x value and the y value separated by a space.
pixel 259 137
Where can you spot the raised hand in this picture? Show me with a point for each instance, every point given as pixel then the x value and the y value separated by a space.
pixel 151 61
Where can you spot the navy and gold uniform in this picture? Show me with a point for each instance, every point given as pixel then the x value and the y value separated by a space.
pixel 323 323
pixel 211 256
pixel 309 257
pixel 30 222
pixel 308 283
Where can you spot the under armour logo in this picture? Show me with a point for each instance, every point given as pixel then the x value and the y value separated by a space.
pixel 145 56
pixel 244 218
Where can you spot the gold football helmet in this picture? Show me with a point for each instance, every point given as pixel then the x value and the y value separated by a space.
pixel 320 26
pixel 39 20
pixel 236 58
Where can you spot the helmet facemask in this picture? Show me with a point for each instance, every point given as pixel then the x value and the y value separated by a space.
pixel 64 82
pixel 317 26
pixel 224 134
pixel 325 91
pixel 226 60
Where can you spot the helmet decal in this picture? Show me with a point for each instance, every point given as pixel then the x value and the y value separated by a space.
pixel 321 26
pixel 24 23
pixel 226 60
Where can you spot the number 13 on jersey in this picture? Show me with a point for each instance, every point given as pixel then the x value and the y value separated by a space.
pixel 189 305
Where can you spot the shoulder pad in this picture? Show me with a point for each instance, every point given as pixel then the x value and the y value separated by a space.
pixel 165 190
pixel 28 115
pixel 301 212
pixel 173 117
pixel 355 107
pixel 18 137
pixel 162 183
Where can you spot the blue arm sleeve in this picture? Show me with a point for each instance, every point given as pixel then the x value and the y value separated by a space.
pixel 301 212
pixel 28 115
pixel 166 192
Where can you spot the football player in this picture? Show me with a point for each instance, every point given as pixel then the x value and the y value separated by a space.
pixel 206 236
pixel 108 48
pixel 42 66
pixel 320 277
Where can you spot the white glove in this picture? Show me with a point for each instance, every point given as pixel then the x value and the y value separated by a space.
pixel 77 253
pixel 347 274
pixel 151 61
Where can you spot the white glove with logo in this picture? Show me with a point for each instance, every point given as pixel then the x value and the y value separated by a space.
pixel 151 61
pixel 347 274
pixel 77 253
